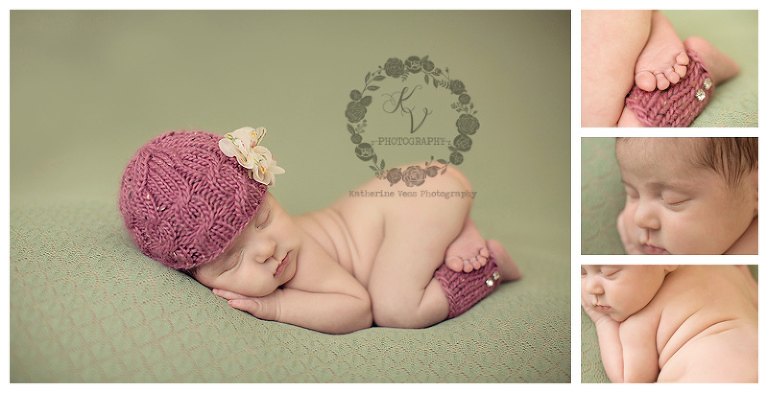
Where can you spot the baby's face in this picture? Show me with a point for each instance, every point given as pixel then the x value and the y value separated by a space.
pixel 621 290
pixel 680 208
pixel 260 259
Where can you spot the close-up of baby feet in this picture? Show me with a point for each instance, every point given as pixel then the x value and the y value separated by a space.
pixel 663 60
pixel 466 257
pixel 468 251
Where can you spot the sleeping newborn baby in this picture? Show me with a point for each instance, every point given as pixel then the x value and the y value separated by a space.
pixel 199 203
pixel 663 323
pixel 689 195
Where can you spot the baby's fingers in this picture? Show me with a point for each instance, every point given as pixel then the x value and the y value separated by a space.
pixel 257 307
pixel 229 295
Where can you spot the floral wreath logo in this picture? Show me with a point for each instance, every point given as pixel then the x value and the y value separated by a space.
pixel 466 124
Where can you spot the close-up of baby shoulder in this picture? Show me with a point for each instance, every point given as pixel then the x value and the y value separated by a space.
pixel 669 323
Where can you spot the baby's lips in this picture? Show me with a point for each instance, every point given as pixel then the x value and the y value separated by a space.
pixel 653 250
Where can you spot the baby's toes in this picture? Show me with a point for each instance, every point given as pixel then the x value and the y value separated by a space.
pixel 468 265
pixel 481 261
pixel 681 70
pixel 645 80
pixel 672 76
pixel 455 263
pixel 662 82
pixel 681 65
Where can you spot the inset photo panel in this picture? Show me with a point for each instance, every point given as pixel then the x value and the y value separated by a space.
pixel 669 196
pixel 669 323
pixel 661 68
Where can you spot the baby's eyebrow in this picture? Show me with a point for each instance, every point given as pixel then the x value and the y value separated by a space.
pixel 675 185
pixel 670 185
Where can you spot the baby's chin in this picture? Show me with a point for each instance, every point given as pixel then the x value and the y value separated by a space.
pixel 618 317
pixel 612 313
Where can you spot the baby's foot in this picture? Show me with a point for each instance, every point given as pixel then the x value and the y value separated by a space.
pixel 467 252
pixel 719 66
pixel 507 267
pixel 663 60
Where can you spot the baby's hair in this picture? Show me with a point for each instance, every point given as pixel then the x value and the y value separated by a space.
pixel 730 157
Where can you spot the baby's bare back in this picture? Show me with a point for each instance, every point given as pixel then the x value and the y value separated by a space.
pixel 707 329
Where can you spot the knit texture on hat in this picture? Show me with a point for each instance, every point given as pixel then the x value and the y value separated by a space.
pixel 464 290
pixel 678 105
pixel 183 200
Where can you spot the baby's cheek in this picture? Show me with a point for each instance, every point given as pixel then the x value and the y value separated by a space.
pixel 689 241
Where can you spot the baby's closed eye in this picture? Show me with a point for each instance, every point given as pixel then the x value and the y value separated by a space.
pixel 263 219
pixel 674 200
pixel 609 271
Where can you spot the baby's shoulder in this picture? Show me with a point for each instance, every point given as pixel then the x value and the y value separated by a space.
pixel 709 290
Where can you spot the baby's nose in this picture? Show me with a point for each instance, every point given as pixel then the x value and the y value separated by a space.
pixel 262 250
pixel 645 216
pixel 593 287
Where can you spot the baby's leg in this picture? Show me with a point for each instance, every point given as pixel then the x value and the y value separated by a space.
pixel 403 291
pixel 467 252
pixel 628 119
pixel 611 42
pixel 507 267
pixel 718 64
pixel 663 60
pixel 417 232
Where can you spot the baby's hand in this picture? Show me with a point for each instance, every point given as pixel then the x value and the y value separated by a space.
pixel 597 317
pixel 266 307
pixel 631 246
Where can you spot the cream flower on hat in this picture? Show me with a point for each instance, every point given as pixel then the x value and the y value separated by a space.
pixel 243 144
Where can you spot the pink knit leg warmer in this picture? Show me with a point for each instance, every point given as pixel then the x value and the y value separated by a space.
pixel 464 290
pixel 678 105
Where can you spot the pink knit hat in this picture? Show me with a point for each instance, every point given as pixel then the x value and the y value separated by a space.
pixel 183 199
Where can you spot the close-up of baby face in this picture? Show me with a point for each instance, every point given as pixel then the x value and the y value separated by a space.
pixel 621 290
pixel 680 208
pixel 260 259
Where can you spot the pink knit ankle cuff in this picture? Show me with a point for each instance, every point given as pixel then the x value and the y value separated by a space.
pixel 464 290
pixel 678 105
